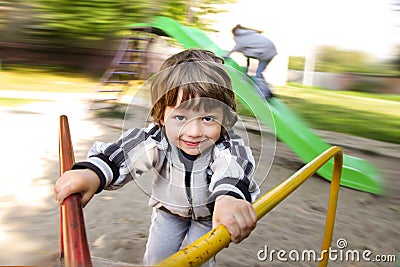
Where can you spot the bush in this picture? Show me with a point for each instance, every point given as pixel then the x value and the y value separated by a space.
pixel 365 86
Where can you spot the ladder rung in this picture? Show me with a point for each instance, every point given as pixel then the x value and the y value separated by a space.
pixel 130 62
pixel 125 72
pixel 104 100
pixel 109 91
pixel 119 82
pixel 135 50
pixel 140 38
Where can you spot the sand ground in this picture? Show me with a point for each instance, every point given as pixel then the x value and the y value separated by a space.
pixel 117 221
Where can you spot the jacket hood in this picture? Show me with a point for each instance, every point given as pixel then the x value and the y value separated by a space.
pixel 243 32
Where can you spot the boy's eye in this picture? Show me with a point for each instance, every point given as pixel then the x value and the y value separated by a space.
pixel 208 119
pixel 180 118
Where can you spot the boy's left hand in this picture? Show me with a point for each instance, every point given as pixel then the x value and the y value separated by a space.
pixel 237 215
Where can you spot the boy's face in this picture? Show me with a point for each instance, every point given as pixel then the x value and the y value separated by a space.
pixel 192 131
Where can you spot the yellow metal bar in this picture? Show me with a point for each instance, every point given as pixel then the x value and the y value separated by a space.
pixel 217 239
pixel 332 204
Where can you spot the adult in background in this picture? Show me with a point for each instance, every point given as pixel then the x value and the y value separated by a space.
pixel 254 45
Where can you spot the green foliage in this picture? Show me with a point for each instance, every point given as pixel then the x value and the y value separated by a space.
pixel 296 62
pixel 330 59
pixel 85 23
pixel 365 86
pixel 93 23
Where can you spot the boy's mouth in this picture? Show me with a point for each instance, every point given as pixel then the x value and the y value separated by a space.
pixel 191 143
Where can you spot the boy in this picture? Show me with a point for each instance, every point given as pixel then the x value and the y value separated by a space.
pixel 203 172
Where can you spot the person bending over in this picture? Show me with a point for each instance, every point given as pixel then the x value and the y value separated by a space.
pixel 254 45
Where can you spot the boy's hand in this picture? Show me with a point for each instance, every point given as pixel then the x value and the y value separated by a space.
pixel 83 181
pixel 237 215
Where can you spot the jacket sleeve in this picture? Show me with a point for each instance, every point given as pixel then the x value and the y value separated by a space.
pixel 118 163
pixel 235 48
pixel 233 171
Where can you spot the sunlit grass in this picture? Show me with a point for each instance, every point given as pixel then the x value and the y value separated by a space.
pixel 45 79
pixel 353 93
pixel 361 114
pixel 9 102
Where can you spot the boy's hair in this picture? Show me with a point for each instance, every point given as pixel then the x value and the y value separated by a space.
pixel 199 74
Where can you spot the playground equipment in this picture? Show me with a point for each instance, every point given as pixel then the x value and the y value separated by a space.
pixel 127 65
pixel 74 246
pixel 357 173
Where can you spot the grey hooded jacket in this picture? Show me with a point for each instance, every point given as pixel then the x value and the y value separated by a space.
pixel 254 45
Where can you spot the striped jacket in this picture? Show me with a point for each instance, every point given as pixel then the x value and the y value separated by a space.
pixel 226 168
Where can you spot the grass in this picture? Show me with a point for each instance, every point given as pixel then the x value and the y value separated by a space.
pixel 8 102
pixel 362 114
pixel 45 79
pixel 366 115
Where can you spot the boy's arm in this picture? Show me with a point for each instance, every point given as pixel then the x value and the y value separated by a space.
pixel 83 181
pixel 233 170
pixel 233 188
pixel 237 215
pixel 118 163
pixel 109 165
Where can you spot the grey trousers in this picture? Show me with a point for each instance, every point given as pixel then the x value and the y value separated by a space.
pixel 167 233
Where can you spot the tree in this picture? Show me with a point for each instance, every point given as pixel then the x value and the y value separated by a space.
pixel 331 59
pixel 91 23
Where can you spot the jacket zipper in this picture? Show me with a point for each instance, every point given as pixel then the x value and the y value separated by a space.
pixel 188 175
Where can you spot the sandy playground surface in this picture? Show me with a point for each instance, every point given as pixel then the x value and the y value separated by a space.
pixel 117 222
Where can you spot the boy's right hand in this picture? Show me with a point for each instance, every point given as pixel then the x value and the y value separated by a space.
pixel 84 181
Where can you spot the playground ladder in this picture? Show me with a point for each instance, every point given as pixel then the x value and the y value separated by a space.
pixel 127 65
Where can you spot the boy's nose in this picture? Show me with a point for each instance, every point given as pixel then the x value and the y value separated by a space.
pixel 194 128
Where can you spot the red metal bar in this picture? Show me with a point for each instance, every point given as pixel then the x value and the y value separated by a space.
pixel 73 241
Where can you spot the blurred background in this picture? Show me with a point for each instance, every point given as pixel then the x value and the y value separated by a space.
pixel 338 68
pixel 323 36
pixel 338 46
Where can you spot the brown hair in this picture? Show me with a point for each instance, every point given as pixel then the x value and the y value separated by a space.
pixel 199 74
pixel 238 26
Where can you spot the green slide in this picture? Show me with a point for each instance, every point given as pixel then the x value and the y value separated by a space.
pixel 290 129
